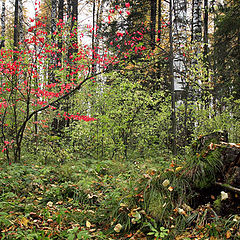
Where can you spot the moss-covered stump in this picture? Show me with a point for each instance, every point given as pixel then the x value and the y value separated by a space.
pixel 215 170
pixel 231 164
pixel 202 143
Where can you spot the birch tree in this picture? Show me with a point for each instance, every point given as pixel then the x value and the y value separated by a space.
pixel 197 20
pixel 53 29
pixel 21 21
pixel 179 42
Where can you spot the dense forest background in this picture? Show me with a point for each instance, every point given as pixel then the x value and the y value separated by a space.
pixel 159 75
pixel 95 92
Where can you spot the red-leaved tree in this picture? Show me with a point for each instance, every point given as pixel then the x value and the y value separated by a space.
pixel 44 69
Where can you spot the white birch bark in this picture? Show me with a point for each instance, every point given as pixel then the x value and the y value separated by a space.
pixel 197 20
pixel 53 15
pixel 196 31
pixel 53 29
pixel 21 23
pixel 179 42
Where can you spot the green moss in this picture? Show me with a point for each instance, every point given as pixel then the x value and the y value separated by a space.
pixel 217 204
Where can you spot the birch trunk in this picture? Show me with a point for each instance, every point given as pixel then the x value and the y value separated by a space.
pixel 53 16
pixel 21 22
pixel 53 29
pixel 172 81
pixel 197 21
pixel 179 41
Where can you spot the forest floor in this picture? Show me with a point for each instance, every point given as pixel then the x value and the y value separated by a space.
pixel 107 199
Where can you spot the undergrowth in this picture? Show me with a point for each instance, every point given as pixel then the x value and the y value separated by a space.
pixel 92 199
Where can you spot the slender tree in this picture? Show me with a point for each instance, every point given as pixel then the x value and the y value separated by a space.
pixel 53 29
pixel 159 19
pixel 3 24
pixel 153 23
pixel 21 21
pixel 178 70
pixel 197 20
pixel 60 9
pixel 16 24
pixel 205 30
pixel 93 35
pixel 172 80
pixel 179 40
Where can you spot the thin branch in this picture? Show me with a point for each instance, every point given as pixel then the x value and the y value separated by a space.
pixel 227 186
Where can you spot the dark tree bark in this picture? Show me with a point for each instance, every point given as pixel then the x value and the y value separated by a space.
pixel 159 19
pixel 73 47
pixel 153 23
pixel 60 9
pixel 60 18
pixel 171 76
pixel 16 25
pixel 18 33
pixel 205 30
pixel 69 9
pixel 3 24
pixel 74 20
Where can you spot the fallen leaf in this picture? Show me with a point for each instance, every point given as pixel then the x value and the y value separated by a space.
pixel 166 182
pixel 50 204
pixel 88 224
pixel 228 234
pixel 118 228
pixel 224 195
pixel 25 221
pixel 178 169
pixel 123 205
pixel 212 197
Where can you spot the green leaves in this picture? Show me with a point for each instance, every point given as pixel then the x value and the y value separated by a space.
pixel 158 233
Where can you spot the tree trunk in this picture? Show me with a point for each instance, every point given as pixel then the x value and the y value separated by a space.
pixel 60 9
pixel 16 25
pixel 153 23
pixel 21 22
pixel 93 38
pixel 53 29
pixel 197 21
pixel 179 40
pixel 3 24
pixel 196 38
pixel 171 76
pixel 159 19
pixel 205 31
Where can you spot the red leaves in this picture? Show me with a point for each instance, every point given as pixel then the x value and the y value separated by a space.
pixel 119 34
pixel 27 72
pixel 78 117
